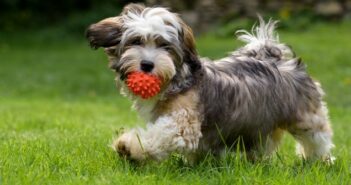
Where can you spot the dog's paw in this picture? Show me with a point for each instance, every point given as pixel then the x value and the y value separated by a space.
pixel 329 160
pixel 128 145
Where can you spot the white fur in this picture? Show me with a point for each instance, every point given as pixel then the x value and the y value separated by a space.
pixel 315 145
pixel 166 135
pixel 161 138
pixel 288 66
pixel 263 34
pixel 151 22
pixel 315 135
pixel 145 107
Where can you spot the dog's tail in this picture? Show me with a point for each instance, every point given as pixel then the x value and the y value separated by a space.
pixel 263 43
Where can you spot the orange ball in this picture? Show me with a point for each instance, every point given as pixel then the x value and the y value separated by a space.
pixel 144 85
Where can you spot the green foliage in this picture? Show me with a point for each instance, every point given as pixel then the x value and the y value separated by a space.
pixel 59 111
pixel 290 19
pixel 231 27
pixel 36 14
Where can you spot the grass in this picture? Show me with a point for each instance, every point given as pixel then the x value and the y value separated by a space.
pixel 59 111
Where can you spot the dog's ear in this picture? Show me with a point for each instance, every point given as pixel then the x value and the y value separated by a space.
pixel 188 74
pixel 189 49
pixel 105 33
pixel 108 32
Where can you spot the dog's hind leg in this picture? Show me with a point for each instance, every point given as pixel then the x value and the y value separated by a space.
pixel 314 134
pixel 266 146
pixel 273 141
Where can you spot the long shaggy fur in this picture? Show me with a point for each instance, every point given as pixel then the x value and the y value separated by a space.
pixel 249 97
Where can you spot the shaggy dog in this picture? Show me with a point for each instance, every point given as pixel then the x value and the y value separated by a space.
pixel 249 98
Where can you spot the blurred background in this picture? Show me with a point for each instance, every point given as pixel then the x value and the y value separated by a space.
pixel 203 15
pixel 43 51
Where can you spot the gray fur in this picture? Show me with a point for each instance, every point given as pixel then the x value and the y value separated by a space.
pixel 250 98
pixel 252 92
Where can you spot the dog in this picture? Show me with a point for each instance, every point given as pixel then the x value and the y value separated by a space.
pixel 248 99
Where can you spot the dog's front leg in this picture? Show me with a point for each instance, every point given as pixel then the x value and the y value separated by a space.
pixel 178 131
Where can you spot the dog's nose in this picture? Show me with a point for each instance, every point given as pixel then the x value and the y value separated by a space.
pixel 146 65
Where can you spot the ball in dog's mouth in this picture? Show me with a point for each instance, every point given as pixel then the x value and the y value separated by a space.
pixel 143 84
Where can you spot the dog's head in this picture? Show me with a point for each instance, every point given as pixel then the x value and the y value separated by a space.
pixel 151 40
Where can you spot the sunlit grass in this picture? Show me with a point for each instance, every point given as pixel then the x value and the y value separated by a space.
pixel 59 111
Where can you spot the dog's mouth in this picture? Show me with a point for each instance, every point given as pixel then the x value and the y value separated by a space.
pixel 122 77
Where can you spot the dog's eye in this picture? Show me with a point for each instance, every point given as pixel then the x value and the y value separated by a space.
pixel 136 42
pixel 165 46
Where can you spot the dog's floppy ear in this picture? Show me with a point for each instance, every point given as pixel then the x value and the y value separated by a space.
pixel 105 33
pixel 187 75
pixel 108 32
pixel 189 48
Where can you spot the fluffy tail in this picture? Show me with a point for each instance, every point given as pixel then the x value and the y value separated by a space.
pixel 263 43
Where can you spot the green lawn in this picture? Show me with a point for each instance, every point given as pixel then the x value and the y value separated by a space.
pixel 59 111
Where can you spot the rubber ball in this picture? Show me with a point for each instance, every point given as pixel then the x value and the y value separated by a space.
pixel 143 84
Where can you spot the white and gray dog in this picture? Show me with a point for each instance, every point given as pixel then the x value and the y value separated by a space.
pixel 249 98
